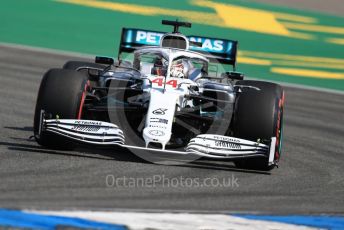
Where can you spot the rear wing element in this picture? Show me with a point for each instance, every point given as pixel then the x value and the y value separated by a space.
pixel 221 50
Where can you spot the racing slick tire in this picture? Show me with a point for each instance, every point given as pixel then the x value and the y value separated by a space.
pixel 61 94
pixel 258 116
pixel 74 65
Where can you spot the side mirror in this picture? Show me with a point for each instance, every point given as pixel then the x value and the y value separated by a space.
pixel 104 60
pixel 233 75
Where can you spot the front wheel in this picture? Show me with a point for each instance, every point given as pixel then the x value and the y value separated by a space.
pixel 61 94
pixel 258 115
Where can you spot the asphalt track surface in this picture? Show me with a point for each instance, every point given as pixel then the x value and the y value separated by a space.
pixel 309 179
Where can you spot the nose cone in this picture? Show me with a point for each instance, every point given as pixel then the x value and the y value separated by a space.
pixel 156 135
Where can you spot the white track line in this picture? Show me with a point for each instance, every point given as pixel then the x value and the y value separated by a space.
pixel 181 221
pixel 91 56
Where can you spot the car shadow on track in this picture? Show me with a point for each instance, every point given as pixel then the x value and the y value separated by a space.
pixel 221 165
pixel 26 128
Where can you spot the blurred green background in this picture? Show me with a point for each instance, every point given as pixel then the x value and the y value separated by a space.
pixel 275 43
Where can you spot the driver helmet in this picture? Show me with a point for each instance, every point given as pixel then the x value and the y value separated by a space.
pixel 179 69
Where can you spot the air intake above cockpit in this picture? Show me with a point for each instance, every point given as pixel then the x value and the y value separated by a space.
pixel 174 41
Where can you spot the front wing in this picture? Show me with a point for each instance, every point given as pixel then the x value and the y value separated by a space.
pixel 101 133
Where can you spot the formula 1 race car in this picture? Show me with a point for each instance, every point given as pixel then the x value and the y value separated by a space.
pixel 167 93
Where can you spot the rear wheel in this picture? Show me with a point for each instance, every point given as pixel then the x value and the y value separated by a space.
pixel 258 115
pixel 93 78
pixel 74 65
pixel 61 94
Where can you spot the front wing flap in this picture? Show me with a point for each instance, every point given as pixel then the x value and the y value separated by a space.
pixel 86 131
pixel 225 146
